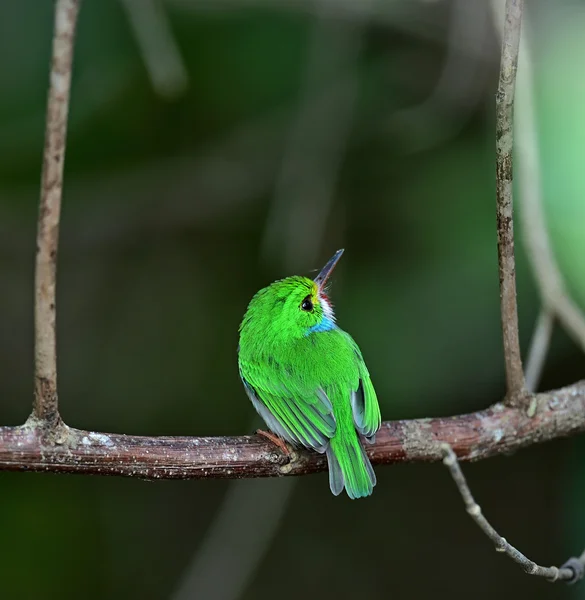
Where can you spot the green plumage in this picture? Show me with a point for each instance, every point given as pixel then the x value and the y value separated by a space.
pixel 307 379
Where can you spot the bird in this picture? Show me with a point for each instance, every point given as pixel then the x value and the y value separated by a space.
pixel 307 379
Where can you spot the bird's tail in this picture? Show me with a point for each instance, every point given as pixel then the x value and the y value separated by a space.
pixel 349 466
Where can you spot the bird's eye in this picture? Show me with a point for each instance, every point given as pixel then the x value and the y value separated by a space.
pixel 306 304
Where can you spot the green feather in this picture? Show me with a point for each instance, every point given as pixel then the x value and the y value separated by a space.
pixel 308 380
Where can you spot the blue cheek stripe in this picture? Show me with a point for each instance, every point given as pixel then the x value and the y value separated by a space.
pixel 326 324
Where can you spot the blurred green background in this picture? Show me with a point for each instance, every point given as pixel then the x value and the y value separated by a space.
pixel 217 146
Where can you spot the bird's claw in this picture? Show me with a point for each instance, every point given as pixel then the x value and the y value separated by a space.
pixel 276 441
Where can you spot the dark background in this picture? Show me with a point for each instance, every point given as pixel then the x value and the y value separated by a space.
pixel 297 130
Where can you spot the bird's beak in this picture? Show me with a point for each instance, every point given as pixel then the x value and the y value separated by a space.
pixel 323 276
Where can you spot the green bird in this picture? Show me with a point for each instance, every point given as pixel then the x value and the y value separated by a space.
pixel 307 378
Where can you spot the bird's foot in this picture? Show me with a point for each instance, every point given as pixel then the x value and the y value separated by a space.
pixel 275 440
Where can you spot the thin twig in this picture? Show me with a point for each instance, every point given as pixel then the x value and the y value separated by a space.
pixel 504 203
pixel 532 220
pixel 539 348
pixel 570 572
pixel 497 430
pixel 45 408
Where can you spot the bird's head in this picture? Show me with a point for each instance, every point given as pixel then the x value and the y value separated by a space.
pixel 292 307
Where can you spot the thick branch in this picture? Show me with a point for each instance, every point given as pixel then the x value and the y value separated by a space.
pixel 45 401
pixel 500 429
pixel 505 224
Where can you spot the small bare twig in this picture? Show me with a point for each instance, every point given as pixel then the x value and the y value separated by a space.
pixel 570 572
pixel 550 282
pixel 539 348
pixel 504 204
pixel 45 408
pixel 161 55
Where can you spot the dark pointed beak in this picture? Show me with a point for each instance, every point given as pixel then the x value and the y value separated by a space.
pixel 326 271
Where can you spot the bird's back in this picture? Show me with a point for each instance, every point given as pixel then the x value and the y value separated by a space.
pixel 317 360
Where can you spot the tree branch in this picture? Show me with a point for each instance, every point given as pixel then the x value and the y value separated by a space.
pixel 45 407
pixel 549 279
pixel 571 572
pixel 497 430
pixel 504 206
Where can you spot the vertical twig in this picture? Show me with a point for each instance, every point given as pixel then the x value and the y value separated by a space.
pixel 504 206
pixel 557 302
pixel 549 279
pixel 45 407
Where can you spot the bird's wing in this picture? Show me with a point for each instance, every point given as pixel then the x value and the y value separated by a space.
pixel 364 405
pixel 364 402
pixel 289 407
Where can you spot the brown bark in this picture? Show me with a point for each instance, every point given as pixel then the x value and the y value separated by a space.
pixel 504 204
pixel 497 430
pixel 45 408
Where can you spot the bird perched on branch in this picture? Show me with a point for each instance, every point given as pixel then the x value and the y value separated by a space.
pixel 307 378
